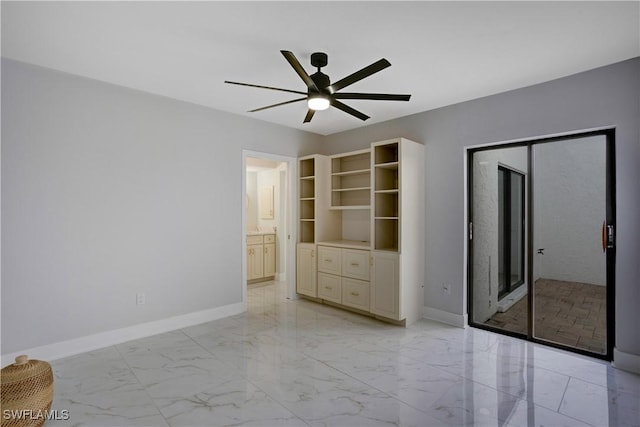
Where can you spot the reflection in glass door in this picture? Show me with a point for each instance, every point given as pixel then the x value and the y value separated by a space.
pixel 499 224
pixel 541 253
pixel 569 262
pixel 510 231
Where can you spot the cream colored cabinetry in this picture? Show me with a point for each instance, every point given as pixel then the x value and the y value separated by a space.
pixel 385 286
pixel 397 282
pixel 364 212
pixel 261 259
pixel 315 220
pixel 329 287
pixel 306 269
pixel 269 252
pixel 356 293
pixel 343 276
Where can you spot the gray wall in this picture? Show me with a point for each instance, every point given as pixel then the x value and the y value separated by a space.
pixel 107 192
pixel 607 96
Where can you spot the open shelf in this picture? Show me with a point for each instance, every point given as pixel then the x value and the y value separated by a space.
pixel 307 189
pixel 386 179
pixel 386 234
pixel 307 209
pixel 356 163
pixel 351 180
pixel 307 231
pixel 307 168
pixel 351 197
pixel 387 153
pixel 386 205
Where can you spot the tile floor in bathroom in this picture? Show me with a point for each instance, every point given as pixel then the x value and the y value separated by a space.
pixel 299 363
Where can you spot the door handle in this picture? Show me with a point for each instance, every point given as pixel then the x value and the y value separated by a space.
pixel 608 236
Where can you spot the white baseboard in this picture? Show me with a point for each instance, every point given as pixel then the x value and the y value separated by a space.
pixel 459 320
pixel 626 361
pixel 75 346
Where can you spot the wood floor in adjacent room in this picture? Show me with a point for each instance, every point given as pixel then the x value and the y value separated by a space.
pixel 569 313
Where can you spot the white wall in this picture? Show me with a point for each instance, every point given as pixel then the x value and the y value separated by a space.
pixel 107 192
pixel 569 208
pixel 270 178
pixel 607 96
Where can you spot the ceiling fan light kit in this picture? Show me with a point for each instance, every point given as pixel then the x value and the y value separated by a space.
pixel 321 94
pixel 318 102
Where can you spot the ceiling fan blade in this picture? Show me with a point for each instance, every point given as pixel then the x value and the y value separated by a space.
pixel 309 115
pixel 374 96
pixel 265 87
pixel 339 105
pixel 359 75
pixel 277 105
pixel 290 57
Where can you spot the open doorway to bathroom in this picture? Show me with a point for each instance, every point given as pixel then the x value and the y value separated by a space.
pixel 267 229
pixel 541 243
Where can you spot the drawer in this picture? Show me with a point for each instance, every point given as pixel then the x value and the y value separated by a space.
pixel 329 287
pixel 355 264
pixel 269 238
pixel 254 240
pixel 329 260
pixel 355 293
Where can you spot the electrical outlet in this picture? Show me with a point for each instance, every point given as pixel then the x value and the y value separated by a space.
pixel 140 299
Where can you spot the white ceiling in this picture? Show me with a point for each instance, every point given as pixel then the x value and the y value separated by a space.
pixel 441 52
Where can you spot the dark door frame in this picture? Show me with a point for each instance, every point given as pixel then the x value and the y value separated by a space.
pixel 506 230
pixel 608 241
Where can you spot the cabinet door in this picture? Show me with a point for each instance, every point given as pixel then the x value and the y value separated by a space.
pixel 306 271
pixel 269 259
pixel 254 262
pixel 329 260
pixel 329 287
pixel 355 264
pixel 355 293
pixel 385 286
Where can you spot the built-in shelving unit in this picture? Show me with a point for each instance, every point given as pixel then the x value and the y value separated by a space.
pixel 307 211
pixel 364 211
pixel 386 196
pixel 351 180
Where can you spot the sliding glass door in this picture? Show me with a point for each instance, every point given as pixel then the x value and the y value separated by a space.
pixel 541 240
pixel 499 223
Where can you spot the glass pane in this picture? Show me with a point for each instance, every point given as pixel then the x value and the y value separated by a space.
pixel 493 303
pixel 569 208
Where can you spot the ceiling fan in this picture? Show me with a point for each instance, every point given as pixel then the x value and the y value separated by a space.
pixel 321 93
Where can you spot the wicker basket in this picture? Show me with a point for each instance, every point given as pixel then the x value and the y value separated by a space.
pixel 26 386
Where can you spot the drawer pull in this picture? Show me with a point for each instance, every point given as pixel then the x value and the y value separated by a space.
pixel 328 287
pixel 265 250
pixel 328 260
pixel 355 294
pixel 354 264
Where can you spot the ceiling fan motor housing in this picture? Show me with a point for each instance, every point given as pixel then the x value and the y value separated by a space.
pixel 319 59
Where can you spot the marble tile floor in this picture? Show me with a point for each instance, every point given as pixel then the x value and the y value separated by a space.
pixel 298 363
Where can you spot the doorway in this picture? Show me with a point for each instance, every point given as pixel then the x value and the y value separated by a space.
pixel 267 230
pixel 541 250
